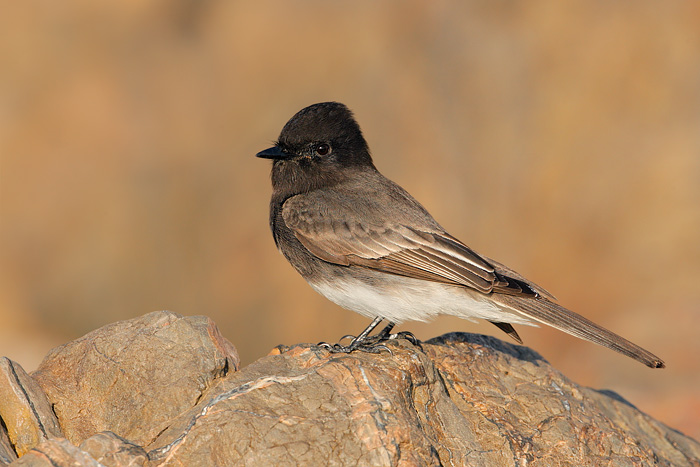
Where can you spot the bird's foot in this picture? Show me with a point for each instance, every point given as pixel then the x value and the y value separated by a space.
pixel 409 336
pixel 369 347
pixel 371 344
pixel 386 334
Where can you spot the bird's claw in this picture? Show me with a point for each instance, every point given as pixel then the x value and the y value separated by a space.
pixel 370 344
pixel 409 336
pixel 369 347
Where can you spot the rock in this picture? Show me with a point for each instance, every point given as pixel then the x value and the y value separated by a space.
pixel 161 382
pixel 24 409
pixel 464 400
pixel 7 453
pixel 133 376
pixel 111 450
pixel 57 452
pixel 101 450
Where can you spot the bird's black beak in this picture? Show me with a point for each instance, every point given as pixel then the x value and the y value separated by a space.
pixel 274 153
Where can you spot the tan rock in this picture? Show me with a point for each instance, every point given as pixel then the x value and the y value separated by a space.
pixel 161 382
pixel 101 450
pixel 111 450
pixel 133 376
pixel 57 452
pixel 7 453
pixel 464 400
pixel 24 410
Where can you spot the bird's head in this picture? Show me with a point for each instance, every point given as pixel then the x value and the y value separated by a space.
pixel 318 146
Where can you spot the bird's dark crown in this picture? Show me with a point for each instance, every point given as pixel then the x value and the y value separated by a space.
pixel 321 146
pixel 329 123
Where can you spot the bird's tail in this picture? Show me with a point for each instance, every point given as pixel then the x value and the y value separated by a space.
pixel 552 314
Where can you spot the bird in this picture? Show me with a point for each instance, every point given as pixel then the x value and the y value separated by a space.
pixel 366 244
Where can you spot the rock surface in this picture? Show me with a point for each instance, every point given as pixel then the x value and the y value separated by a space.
pixel 113 451
pixel 56 452
pixel 133 376
pixel 165 390
pixel 24 409
pixel 7 453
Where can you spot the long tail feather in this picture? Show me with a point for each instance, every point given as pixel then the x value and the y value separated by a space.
pixel 552 314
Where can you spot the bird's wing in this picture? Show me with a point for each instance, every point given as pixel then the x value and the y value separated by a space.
pixel 505 271
pixel 426 252
pixel 423 252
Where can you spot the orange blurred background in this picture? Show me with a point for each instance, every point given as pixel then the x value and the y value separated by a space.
pixel 562 139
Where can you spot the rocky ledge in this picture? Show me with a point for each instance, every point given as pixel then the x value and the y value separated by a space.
pixel 164 389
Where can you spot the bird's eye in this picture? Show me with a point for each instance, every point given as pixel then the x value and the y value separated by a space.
pixel 322 149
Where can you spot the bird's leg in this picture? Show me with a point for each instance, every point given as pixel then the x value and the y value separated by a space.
pixel 360 342
pixel 385 334
pixel 363 335
pixel 372 344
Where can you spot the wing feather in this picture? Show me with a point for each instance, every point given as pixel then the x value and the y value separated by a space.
pixel 426 251
pixel 391 247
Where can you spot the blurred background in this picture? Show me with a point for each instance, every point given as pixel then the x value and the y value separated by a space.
pixel 561 138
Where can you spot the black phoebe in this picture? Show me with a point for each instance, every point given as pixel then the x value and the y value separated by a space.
pixel 364 243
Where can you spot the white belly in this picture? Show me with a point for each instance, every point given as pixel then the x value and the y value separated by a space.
pixel 407 299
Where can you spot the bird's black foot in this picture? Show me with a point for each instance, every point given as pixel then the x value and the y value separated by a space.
pixel 386 334
pixel 372 344
pixel 408 336
pixel 368 347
